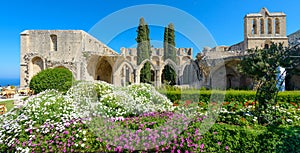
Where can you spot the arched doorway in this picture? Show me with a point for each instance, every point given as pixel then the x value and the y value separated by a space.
pixel 37 65
pixel 147 73
pixel 103 71
pixel 127 75
pixel 168 75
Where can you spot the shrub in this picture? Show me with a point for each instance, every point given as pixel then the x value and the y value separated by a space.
pixel 231 95
pixel 52 78
pixel 107 100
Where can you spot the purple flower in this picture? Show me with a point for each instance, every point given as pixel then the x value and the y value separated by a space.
pixel 219 143
pixel 202 146
pixel 226 147
pixel 215 132
pixel 66 132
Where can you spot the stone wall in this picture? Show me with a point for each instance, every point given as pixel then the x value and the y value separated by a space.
pixel 41 49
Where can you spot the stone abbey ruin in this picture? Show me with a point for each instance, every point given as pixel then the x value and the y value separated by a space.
pixel 89 59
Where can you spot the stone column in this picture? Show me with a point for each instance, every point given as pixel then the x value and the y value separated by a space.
pixel 137 76
pixel 124 76
pixel 158 79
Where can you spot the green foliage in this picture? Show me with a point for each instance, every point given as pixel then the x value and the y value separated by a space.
pixel 253 139
pixel 145 76
pixel 169 75
pixel 143 40
pixel 262 65
pixel 231 95
pixel 143 50
pixel 169 43
pixel 52 78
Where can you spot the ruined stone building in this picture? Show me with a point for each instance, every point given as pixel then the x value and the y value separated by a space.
pixel 89 59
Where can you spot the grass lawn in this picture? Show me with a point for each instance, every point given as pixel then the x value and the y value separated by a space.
pixel 8 104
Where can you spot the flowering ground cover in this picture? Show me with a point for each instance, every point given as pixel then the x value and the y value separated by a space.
pixel 98 117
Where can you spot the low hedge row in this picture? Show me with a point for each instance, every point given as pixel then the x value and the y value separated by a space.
pixel 230 95
pixel 253 139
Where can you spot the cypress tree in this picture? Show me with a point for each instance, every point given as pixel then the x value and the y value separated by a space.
pixel 143 50
pixel 171 51
pixel 169 73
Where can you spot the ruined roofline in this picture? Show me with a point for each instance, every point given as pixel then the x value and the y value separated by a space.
pixel 27 32
pixel 264 11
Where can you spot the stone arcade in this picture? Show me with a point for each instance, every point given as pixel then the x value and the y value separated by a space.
pixel 89 59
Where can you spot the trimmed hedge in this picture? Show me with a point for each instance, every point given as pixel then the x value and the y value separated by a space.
pixel 253 139
pixel 230 95
pixel 52 78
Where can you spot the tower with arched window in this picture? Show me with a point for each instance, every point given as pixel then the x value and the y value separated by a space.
pixel 263 28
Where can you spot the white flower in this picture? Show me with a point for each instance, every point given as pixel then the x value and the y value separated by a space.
pixel 82 145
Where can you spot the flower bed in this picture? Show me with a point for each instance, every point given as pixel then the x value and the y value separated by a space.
pixel 138 118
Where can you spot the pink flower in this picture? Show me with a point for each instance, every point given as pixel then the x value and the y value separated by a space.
pixel 219 143
pixel 226 147
pixel 66 132
pixel 202 146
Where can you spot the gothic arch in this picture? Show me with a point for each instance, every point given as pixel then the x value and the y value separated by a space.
pixel 188 73
pixel 36 65
pixel 153 70
pixel 126 72
pixel 103 70
pixel 170 62
pixel 143 63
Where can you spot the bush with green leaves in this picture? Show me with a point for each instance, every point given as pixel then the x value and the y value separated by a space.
pixel 52 78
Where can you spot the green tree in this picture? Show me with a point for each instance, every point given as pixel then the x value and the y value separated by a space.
pixel 169 74
pixel 169 43
pixel 143 50
pixel 262 65
pixel 52 78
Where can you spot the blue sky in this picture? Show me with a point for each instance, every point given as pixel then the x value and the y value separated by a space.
pixel 222 18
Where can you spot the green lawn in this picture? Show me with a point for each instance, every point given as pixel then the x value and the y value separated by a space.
pixel 9 104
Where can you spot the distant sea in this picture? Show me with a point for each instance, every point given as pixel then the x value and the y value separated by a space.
pixel 9 81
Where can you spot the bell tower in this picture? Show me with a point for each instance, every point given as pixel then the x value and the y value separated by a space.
pixel 263 28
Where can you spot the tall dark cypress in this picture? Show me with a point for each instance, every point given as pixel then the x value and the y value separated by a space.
pixel 169 73
pixel 143 50
pixel 171 43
